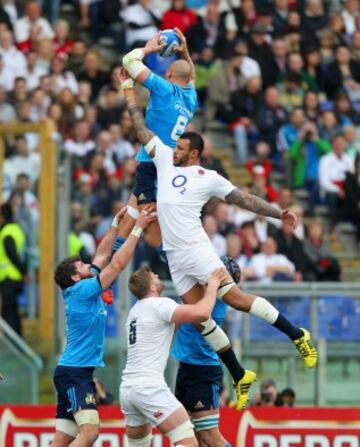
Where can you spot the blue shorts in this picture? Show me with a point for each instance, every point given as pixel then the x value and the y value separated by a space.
pixel 75 390
pixel 198 387
pixel 145 183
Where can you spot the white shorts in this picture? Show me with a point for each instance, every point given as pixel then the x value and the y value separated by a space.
pixel 193 266
pixel 142 405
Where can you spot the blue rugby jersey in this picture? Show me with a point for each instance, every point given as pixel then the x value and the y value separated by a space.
pixel 170 109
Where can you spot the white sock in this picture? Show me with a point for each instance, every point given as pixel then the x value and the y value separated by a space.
pixel 263 309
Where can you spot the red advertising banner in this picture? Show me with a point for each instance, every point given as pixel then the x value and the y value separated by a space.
pixel 33 426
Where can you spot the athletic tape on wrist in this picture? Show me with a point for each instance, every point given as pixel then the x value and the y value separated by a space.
pixel 115 222
pixel 127 84
pixel 136 231
pixel 132 212
pixel 133 62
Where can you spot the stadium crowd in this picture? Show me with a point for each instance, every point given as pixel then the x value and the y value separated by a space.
pixel 283 76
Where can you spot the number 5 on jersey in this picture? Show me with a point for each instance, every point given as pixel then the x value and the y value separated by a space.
pixel 132 332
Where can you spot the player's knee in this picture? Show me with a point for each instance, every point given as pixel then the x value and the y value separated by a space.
pixel 141 442
pixel 89 432
pixel 214 335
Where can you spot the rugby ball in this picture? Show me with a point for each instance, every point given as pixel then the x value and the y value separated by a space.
pixel 170 41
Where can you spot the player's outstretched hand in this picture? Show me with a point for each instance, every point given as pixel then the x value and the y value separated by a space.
pixel 289 217
pixel 218 276
pixel 147 216
pixel 153 45
pixel 183 44
pixel 118 217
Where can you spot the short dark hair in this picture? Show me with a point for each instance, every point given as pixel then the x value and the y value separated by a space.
pixel 65 270
pixel 139 282
pixel 196 141
pixel 6 212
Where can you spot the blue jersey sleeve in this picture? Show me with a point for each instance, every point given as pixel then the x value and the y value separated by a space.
pixel 158 85
pixel 87 289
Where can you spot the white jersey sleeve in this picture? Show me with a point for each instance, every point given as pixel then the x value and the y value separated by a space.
pixel 165 309
pixel 221 187
pixel 163 154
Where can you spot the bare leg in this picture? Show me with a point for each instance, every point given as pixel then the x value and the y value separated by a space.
pixel 173 421
pixel 87 436
pixel 61 439
pixel 128 222
pixel 209 437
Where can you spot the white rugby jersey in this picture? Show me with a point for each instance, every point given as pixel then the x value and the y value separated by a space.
pixel 149 333
pixel 182 192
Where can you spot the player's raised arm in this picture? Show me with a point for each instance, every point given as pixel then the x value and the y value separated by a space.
pixel 259 206
pixel 201 311
pixel 143 134
pixel 133 63
pixel 184 53
pixel 123 255
pixel 104 250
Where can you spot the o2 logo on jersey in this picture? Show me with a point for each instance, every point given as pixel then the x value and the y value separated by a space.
pixel 179 182
pixel 132 332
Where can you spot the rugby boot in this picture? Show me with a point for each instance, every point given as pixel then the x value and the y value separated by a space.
pixel 306 349
pixel 242 388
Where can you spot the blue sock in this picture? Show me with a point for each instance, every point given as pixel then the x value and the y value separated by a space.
pixel 162 254
pixel 119 241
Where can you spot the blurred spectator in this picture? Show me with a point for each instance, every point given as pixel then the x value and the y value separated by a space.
pixel 295 65
pixel 93 74
pixel 110 108
pixel 13 59
pixel 40 103
pixel 222 86
pixel 327 42
pixel 208 31
pixel 305 152
pixel 81 145
pixel 233 249
pixel 290 91
pixel 344 72
pixel 32 20
pixel 62 44
pixel 222 216
pixel 76 57
pixel 262 154
pixel 280 56
pixel 332 172
pixel 311 106
pixel 261 51
pixel 142 22
pixel 209 161
pixel 7 112
pixel 345 112
pixel 260 186
pixel 247 101
pixel 355 46
pixel 264 228
pixel 72 112
pixel 289 132
pixel 33 72
pixel 286 398
pixel 315 71
pixel 352 140
pixel 102 396
pixel 271 117
pixel 5 17
pixel 6 77
pixel 22 162
pixel 13 267
pixel 206 66
pixel 322 264
pixel 178 16
pixel 351 209
pixel 350 10
pixel 121 148
pixel 61 78
pixel 269 265
pixel 314 18
pixel 211 228
pixel 249 240
pixel 329 126
pixel 293 248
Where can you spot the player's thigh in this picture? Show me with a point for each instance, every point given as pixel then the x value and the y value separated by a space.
pixel 129 405
pixel 203 262
pixel 180 273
